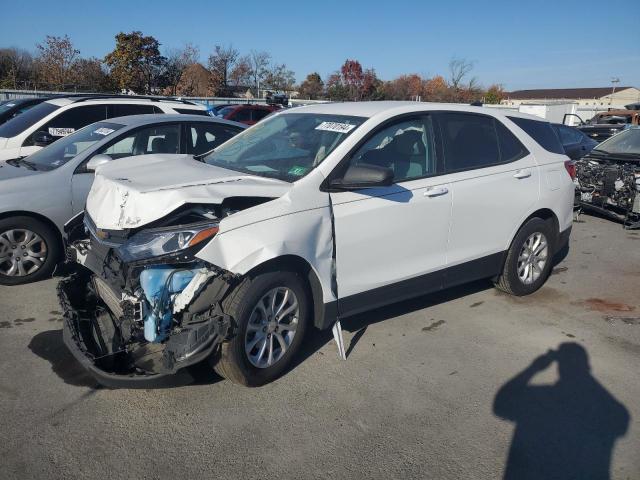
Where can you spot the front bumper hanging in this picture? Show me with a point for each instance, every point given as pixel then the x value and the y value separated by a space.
pixel 132 363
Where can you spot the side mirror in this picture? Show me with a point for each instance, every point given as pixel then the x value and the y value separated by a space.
pixel 96 161
pixel 363 176
pixel 42 138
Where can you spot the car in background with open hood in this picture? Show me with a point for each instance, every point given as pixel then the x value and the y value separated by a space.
pixel 608 179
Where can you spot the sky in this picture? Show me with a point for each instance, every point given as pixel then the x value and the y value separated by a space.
pixel 518 43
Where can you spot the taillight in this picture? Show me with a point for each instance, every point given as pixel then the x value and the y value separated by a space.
pixel 570 165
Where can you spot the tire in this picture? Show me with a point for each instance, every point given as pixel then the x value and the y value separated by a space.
pixel 45 248
pixel 234 363
pixel 510 280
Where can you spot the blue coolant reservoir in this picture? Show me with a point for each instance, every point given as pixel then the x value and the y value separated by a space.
pixel 159 284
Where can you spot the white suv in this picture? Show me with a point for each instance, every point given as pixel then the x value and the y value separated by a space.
pixel 313 215
pixel 59 117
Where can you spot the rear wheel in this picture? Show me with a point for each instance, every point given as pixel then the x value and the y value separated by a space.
pixel 529 259
pixel 272 312
pixel 29 250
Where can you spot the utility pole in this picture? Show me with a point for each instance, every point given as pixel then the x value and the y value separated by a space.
pixel 614 80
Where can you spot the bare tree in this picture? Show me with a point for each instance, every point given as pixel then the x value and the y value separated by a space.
pixel 259 62
pixel 459 68
pixel 16 66
pixel 221 62
pixel 241 73
pixel 177 60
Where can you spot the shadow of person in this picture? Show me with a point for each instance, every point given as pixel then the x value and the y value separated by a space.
pixel 563 431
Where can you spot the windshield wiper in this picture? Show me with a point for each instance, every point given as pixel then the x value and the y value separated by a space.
pixel 16 162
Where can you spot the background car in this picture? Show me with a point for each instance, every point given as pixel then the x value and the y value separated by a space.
pixel 40 193
pixel 608 179
pixel 215 109
pixel 575 143
pixel 13 108
pixel 57 117
pixel 247 114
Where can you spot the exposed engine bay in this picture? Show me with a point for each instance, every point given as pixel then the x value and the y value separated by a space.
pixel 139 302
pixel 610 188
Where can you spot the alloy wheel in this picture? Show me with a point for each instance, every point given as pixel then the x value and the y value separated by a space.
pixel 533 258
pixel 22 252
pixel 272 326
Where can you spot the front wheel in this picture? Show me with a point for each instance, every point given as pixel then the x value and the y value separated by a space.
pixel 529 259
pixel 29 250
pixel 272 311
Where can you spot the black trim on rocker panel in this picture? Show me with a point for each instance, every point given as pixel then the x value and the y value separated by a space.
pixel 484 267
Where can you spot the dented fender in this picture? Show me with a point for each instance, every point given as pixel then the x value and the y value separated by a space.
pixel 306 234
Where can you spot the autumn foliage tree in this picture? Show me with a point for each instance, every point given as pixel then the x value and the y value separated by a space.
pixel 312 87
pixel 136 63
pixel 55 61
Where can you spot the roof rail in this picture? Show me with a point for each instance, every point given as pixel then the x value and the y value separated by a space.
pixel 90 96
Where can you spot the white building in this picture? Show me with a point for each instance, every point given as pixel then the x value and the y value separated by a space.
pixel 599 98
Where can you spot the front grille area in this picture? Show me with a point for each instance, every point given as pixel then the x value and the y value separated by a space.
pixel 108 296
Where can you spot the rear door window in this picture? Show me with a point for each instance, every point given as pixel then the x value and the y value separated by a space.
pixel 186 111
pixel 123 110
pixel 74 119
pixel 242 115
pixel 542 132
pixel 260 113
pixel 204 137
pixel 470 141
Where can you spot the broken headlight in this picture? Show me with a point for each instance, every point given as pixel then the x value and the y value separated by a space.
pixel 162 241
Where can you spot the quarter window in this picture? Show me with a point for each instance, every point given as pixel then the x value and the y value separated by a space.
pixel 405 147
pixel 541 132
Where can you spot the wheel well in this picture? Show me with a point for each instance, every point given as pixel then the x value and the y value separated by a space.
pixel 301 266
pixel 547 215
pixel 41 218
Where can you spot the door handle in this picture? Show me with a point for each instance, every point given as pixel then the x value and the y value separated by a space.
pixel 436 191
pixel 522 174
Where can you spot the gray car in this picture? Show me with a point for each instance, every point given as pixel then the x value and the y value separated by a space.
pixel 40 193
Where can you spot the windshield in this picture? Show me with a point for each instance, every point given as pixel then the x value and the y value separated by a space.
pixel 19 124
pixel 226 110
pixel 286 146
pixel 625 143
pixel 63 150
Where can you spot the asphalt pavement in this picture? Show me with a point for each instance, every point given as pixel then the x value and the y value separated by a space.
pixel 467 384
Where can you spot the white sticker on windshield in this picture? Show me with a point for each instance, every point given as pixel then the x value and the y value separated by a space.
pixel 103 131
pixel 335 127
pixel 61 132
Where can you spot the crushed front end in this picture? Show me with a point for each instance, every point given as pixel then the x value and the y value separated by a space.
pixel 138 304
pixel 611 188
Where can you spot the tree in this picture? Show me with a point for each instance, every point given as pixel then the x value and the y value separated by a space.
pixel 436 90
pixel 352 78
pixel 405 87
pixel 221 62
pixel 312 87
pixel 55 61
pixel 279 77
pixel 241 73
pixel 177 60
pixel 136 63
pixel 371 86
pixel 259 62
pixel 89 74
pixel 16 67
pixel 494 94
pixel 336 90
pixel 459 69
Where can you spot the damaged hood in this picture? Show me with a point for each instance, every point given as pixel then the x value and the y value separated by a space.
pixel 139 190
